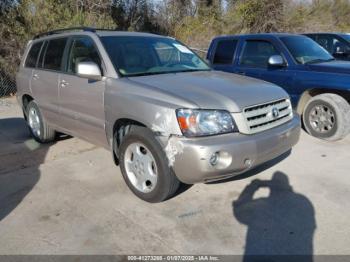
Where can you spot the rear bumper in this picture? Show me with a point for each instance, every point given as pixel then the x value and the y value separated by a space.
pixel 237 153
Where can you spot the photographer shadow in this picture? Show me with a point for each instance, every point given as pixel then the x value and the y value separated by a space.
pixel 283 223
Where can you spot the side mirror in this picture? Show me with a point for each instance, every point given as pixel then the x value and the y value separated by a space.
pixel 89 70
pixel 276 61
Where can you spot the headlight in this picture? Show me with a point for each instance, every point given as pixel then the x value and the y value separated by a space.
pixel 197 122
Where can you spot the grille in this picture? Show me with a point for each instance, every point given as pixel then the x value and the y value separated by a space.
pixel 265 116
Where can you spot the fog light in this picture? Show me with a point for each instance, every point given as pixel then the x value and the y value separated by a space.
pixel 214 159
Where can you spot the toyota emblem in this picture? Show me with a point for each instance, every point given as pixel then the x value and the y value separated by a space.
pixel 275 112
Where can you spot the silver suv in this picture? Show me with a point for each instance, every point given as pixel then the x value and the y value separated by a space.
pixel 162 112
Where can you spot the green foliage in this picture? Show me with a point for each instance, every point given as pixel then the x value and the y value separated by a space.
pixel 22 21
pixel 261 15
pixel 195 22
pixel 205 27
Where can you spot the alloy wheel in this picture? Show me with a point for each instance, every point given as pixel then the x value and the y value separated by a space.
pixel 322 119
pixel 34 121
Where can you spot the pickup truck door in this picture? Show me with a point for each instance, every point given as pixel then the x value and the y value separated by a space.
pixel 253 62
pixel 81 100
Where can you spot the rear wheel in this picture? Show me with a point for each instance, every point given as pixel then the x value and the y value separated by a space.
pixel 144 166
pixel 38 126
pixel 326 116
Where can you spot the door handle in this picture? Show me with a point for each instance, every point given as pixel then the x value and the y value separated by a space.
pixel 64 83
pixel 241 73
pixel 35 76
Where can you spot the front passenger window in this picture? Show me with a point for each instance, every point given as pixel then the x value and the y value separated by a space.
pixel 82 50
pixel 256 53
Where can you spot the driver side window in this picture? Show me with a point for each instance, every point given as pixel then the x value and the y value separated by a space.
pixel 82 50
pixel 256 53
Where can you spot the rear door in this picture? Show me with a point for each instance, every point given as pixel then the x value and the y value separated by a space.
pixel 223 54
pixel 82 100
pixel 44 83
pixel 25 73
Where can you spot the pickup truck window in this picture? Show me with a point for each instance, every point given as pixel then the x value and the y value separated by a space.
pixel 54 54
pixel 346 37
pixel 224 51
pixel 82 50
pixel 33 55
pixel 136 55
pixel 256 53
pixel 331 43
pixel 305 50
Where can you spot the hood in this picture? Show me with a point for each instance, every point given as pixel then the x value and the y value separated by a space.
pixel 340 67
pixel 215 89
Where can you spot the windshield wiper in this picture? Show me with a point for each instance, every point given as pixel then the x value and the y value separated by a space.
pixel 315 61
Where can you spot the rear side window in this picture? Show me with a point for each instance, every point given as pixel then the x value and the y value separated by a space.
pixel 42 53
pixel 33 55
pixel 54 54
pixel 224 52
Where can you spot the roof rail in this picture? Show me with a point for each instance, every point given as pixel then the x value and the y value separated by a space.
pixel 82 28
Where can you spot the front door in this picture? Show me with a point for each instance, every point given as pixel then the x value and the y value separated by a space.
pixel 254 62
pixel 82 100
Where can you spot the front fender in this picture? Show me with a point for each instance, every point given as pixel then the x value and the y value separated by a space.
pixel 156 110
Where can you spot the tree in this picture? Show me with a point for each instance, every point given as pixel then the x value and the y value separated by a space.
pixel 26 18
pixel 261 15
pixel 209 8
pixel 171 13
pixel 134 15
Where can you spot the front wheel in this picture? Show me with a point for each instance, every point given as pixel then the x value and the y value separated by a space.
pixel 144 166
pixel 326 116
pixel 38 127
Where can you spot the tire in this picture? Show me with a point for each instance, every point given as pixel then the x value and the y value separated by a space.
pixel 42 132
pixel 160 187
pixel 327 116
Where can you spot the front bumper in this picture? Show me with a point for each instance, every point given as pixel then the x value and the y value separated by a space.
pixel 238 153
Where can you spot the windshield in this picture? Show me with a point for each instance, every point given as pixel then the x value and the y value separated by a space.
pixel 137 55
pixel 306 51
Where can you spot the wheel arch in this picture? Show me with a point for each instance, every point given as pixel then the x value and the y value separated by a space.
pixel 120 127
pixel 310 93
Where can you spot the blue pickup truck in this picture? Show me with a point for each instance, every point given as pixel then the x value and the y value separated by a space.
pixel 319 85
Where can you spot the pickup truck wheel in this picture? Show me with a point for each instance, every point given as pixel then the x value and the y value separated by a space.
pixel 326 116
pixel 144 166
pixel 38 126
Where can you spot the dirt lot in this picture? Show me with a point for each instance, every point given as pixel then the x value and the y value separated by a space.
pixel 70 198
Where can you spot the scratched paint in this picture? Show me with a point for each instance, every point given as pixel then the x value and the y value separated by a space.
pixel 162 125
